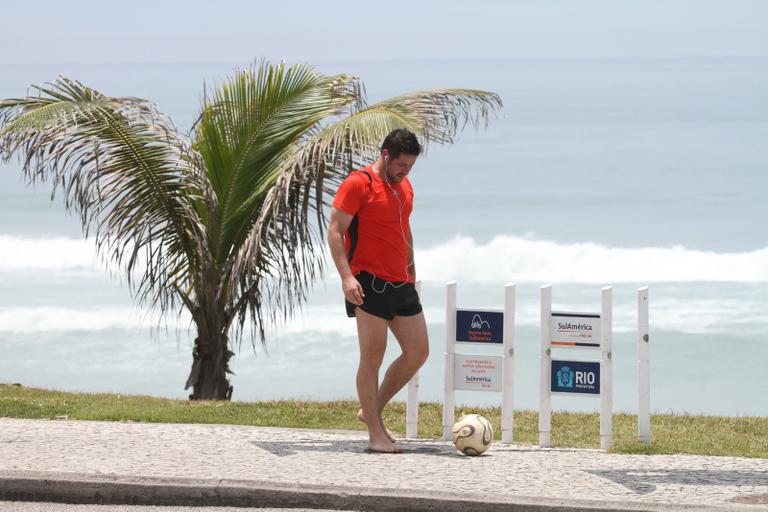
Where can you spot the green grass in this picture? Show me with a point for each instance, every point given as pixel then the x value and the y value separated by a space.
pixel 703 435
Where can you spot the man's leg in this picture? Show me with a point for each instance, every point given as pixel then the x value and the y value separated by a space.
pixel 372 333
pixel 411 334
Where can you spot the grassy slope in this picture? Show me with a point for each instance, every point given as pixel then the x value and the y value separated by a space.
pixel 705 435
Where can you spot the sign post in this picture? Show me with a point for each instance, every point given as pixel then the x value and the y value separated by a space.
pixel 412 404
pixel 450 351
pixel 643 363
pixel 606 369
pixel 545 365
pixel 479 372
pixel 508 366
pixel 566 330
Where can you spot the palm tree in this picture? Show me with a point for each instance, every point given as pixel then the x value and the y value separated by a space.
pixel 226 220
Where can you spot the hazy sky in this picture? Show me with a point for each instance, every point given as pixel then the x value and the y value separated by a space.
pixel 194 30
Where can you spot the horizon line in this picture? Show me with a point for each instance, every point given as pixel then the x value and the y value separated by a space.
pixel 550 58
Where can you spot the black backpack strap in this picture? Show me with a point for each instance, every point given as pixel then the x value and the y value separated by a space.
pixel 354 226
pixel 367 175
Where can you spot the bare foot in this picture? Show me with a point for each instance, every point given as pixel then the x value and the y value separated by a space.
pixel 383 446
pixel 361 419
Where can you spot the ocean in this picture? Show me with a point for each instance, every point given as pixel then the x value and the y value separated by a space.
pixel 629 173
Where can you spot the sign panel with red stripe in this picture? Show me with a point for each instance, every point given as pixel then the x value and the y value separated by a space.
pixel 575 330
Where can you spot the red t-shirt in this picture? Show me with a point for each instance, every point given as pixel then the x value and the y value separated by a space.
pixel 378 234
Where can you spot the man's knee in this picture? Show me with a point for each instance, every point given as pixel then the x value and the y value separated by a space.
pixel 371 361
pixel 418 354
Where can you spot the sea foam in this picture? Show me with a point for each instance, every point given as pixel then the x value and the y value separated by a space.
pixel 328 320
pixel 511 258
pixel 504 258
pixel 57 253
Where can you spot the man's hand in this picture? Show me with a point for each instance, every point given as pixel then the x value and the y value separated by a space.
pixel 353 291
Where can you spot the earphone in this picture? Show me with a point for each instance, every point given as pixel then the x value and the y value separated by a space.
pixel 402 232
pixel 394 192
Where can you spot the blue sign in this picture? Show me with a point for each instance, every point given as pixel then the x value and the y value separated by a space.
pixel 480 326
pixel 575 377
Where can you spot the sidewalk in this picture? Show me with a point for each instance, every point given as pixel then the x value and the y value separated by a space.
pixel 161 464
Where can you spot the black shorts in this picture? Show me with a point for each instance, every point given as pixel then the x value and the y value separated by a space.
pixel 386 299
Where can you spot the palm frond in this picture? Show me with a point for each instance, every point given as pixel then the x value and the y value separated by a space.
pixel 435 116
pixel 443 113
pixel 124 168
pixel 284 238
pixel 248 130
pixel 225 221
pixel 249 134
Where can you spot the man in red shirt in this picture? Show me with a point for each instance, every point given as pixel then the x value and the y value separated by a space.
pixel 371 243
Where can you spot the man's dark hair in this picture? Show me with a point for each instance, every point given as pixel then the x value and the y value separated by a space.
pixel 400 141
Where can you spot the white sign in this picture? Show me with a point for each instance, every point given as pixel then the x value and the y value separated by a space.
pixel 477 373
pixel 575 330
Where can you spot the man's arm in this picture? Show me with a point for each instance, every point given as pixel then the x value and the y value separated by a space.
pixel 339 224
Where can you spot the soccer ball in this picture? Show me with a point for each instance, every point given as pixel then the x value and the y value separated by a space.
pixel 472 434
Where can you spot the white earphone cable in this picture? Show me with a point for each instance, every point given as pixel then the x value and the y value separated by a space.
pixel 402 232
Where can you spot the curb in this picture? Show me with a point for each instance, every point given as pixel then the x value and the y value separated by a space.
pixel 117 490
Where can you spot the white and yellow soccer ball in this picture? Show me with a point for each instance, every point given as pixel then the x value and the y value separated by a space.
pixel 472 434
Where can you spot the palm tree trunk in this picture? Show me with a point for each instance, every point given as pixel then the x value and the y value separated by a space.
pixel 210 366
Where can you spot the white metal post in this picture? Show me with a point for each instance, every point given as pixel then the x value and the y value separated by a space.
pixel 412 405
pixel 606 369
pixel 450 358
pixel 643 370
pixel 545 365
pixel 508 366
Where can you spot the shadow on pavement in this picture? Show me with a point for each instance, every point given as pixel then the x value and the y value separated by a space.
pixel 644 482
pixel 287 448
